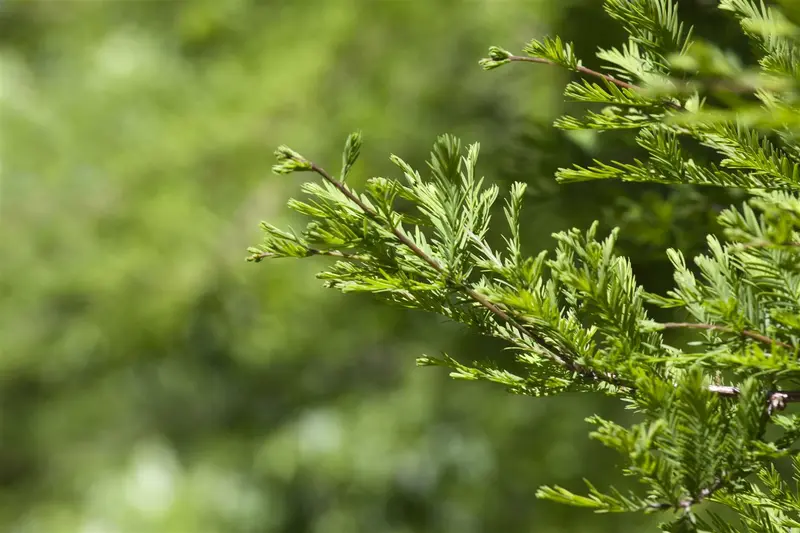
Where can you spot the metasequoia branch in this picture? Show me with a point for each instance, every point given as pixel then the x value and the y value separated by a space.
pixel 474 295
pixel 777 399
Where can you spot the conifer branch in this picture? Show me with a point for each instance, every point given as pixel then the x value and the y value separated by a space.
pixel 777 399
pixel 403 238
pixel 306 165
pixel 715 327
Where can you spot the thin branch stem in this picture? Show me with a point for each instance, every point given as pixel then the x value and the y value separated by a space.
pixel 714 327
pixel 581 69
pixel 724 390
pixel 702 494
pixel 309 252
pixel 776 400
pixel 589 72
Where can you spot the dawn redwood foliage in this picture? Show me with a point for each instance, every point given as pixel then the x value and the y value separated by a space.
pixel 713 425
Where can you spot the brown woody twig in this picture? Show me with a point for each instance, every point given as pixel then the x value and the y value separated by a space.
pixel 714 327
pixel 581 69
pixel 309 252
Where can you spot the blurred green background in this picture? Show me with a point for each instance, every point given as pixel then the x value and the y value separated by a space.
pixel 153 381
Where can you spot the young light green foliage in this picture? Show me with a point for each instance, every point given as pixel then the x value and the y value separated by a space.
pixel 578 319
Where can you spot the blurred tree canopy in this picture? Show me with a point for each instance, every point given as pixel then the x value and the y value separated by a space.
pixel 152 381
